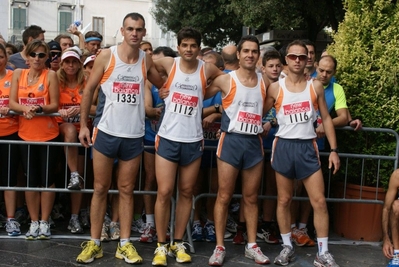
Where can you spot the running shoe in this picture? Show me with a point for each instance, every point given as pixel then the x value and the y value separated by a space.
pixel 75 226
pixel 85 218
pixel 266 234
pixel 301 238
pixel 33 231
pixel 44 230
pixel 128 253
pixel 90 252
pixel 286 256
pixel 240 237
pixel 75 181
pixel 12 228
pixel 209 232
pixel 394 262
pixel 160 253
pixel 149 234
pixel 196 232
pixel 326 260
pixel 217 257
pixel 114 231
pixel 138 226
pixel 178 250
pixel 254 253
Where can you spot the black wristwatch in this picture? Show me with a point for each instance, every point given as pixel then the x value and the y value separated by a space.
pixel 334 150
pixel 40 110
pixel 217 107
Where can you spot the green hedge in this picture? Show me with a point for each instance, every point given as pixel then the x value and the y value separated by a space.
pixel 367 50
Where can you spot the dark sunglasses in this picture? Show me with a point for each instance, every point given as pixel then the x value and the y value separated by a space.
pixel 53 54
pixel 301 57
pixel 40 55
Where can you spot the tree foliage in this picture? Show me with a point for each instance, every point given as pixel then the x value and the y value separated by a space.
pixel 311 15
pixel 366 47
pixel 208 16
pixel 221 20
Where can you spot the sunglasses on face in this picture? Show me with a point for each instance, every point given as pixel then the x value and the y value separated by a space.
pixel 301 57
pixel 40 55
pixel 53 54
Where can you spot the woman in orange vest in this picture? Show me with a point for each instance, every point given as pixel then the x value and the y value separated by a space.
pixel 71 79
pixel 34 92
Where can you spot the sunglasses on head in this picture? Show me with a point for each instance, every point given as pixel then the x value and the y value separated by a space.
pixel 40 55
pixel 301 57
pixel 53 54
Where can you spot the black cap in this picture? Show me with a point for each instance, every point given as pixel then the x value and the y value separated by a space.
pixel 54 45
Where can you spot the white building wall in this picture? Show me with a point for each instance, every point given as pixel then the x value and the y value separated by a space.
pixel 45 13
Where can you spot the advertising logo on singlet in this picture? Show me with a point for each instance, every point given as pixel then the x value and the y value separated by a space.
pixel 248 123
pixel 186 86
pixel 296 112
pixel 126 92
pixel 37 101
pixel 40 88
pixel 184 104
pixel 7 84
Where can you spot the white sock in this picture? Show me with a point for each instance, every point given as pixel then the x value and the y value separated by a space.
pixel 250 245
pixel 287 239
pixel 150 219
pixel 302 225
pixel 209 221
pixel 97 241
pixel 196 222
pixel 124 241
pixel 293 225
pixel 322 243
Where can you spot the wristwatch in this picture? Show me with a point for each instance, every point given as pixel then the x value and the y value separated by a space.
pixel 39 110
pixel 334 150
pixel 217 107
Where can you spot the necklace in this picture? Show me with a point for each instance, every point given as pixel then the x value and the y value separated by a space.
pixel 30 80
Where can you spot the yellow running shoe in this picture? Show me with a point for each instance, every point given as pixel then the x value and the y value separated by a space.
pixel 129 253
pixel 160 255
pixel 90 252
pixel 178 250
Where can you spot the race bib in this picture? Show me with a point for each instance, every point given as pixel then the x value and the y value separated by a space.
pixel 299 112
pixel 248 123
pixel 126 92
pixel 4 102
pixel 72 119
pixel 32 101
pixel 184 104
pixel 211 131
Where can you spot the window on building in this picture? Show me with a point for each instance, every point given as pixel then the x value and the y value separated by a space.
pixel 65 21
pixel 98 25
pixel 18 18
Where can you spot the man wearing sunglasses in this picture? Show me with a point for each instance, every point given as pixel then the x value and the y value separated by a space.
pixel 18 60
pixel 295 155
pixel 55 55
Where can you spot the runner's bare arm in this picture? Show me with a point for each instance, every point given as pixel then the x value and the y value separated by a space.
pixel 152 73
pixel 97 73
pixel 220 83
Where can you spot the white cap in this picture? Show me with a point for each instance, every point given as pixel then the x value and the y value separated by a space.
pixel 70 53
pixel 89 59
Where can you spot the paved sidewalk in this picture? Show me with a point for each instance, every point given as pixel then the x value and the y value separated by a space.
pixel 63 248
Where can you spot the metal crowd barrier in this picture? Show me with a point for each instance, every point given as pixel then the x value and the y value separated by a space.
pixel 344 157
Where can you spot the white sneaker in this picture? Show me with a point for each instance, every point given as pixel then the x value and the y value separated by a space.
pixel 44 230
